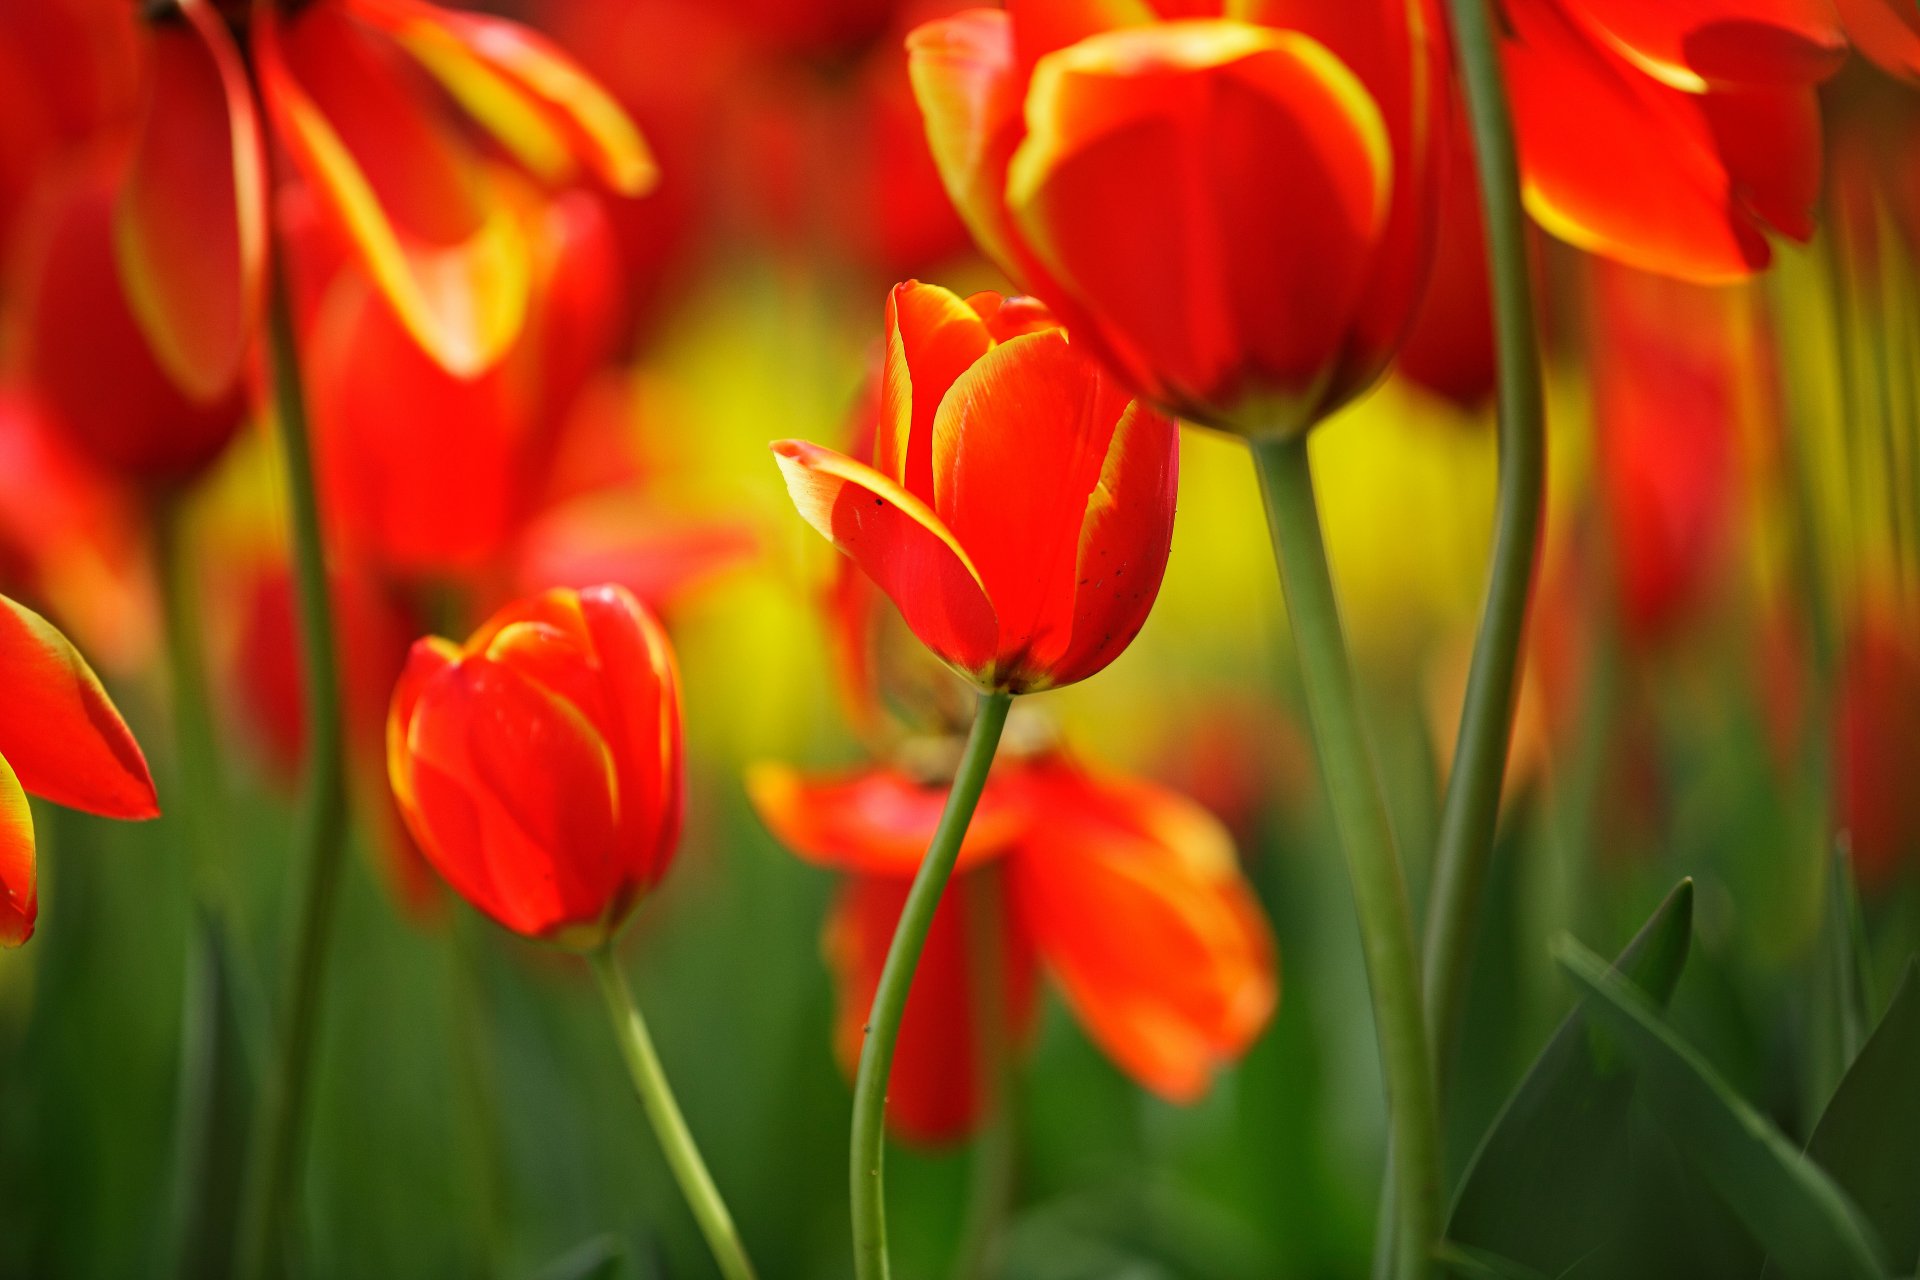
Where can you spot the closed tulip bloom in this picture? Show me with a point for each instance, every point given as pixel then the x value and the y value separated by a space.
pixel 62 740
pixel 1020 505
pixel 1231 210
pixel 539 765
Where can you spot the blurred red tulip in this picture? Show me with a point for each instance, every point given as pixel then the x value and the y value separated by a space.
pixel 1128 894
pixel 1449 349
pixel 1877 740
pixel 86 357
pixel 1886 31
pixel 62 740
pixel 1233 212
pixel 539 765
pixel 1020 508
pixel 430 472
pixel 1671 136
pixel 403 183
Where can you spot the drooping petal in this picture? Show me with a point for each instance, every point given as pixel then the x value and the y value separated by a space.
pixel 1210 196
pixel 522 87
pixel 19 887
pixel 1696 44
pixel 1886 31
pixel 1140 913
pixel 1769 140
pixel 190 229
pixel 1124 542
pixel 59 730
pixel 1618 164
pixel 453 262
pixel 1018 447
pixel 878 821
pixel 932 338
pixel 901 544
pixel 933 1092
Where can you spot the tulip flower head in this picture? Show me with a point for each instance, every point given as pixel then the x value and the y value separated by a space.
pixel 1231 210
pixel 539 765
pixel 62 740
pixel 1019 509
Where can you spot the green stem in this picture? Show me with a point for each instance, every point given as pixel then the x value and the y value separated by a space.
pixel 1472 806
pixel 990 1181
pixel 676 1142
pixel 319 837
pixel 868 1145
pixel 1373 865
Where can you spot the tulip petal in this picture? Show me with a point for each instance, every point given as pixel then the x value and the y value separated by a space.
pixel 524 89
pixel 1886 31
pixel 19 890
pixel 1018 447
pixel 641 684
pixel 901 544
pixel 454 264
pixel 932 338
pixel 1696 44
pixel 933 1091
pixel 1141 915
pixel 190 229
pixel 969 90
pixel 1157 164
pixel 1124 542
pixel 1769 140
pixel 60 732
pixel 879 821
pixel 1618 164
pixel 427 659
pixel 1042 26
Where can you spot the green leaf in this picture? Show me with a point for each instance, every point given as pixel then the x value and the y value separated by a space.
pixel 1478 1264
pixel 1537 1190
pixel 1803 1218
pixel 599 1258
pixel 1868 1139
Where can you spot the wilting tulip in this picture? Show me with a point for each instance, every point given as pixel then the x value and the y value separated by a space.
pixel 62 740
pixel 1671 137
pixel 1128 896
pixel 394 173
pixel 539 765
pixel 1020 506
pixel 1233 212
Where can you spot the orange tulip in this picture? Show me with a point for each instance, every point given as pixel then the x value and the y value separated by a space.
pixel 62 740
pixel 394 174
pixel 1671 135
pixel 1020 507
pixel 1126 894
pixel 539 765
pixel 1231 210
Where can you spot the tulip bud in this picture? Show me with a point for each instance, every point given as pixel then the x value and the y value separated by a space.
pixel 539 765
pixel 1020 506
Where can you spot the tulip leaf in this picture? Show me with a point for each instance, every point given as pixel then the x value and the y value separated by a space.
pixel 1795 1210
pixel 1534 1193
pixel 601 1257
pixel 1868 1138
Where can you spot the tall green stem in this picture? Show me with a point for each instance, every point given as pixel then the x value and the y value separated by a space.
pixel 676 1141
pixel 1472 805
pixel 868 1146
pixel 1373 865
pixel 318 840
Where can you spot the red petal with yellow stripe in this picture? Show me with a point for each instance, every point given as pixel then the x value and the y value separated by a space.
pixel 19 886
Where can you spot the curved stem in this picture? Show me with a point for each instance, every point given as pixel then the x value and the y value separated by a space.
pixel 868 1144
pixel 318 839
pixel 1472 806
pixel 676 1141
pixel 1373 865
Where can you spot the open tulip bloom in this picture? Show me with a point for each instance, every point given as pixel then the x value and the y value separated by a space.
pixel 539 767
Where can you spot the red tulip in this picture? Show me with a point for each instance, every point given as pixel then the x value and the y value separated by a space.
pixel 394 173
pixel 1671 135
pixel 1876 740
pixel 89 362
pixel 1128 895
pixel 1020 507
pixel 539 765
pixel 1886 31
pixel 62 740
pixel 1449 348
pixel 1231 210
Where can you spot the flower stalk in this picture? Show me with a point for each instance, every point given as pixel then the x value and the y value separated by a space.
pixel 866 1157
